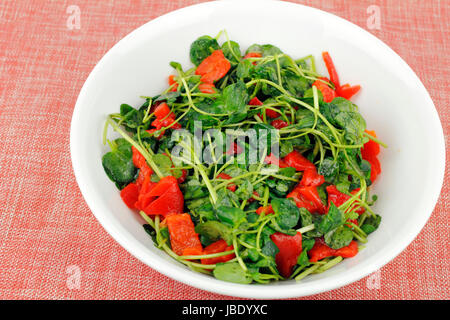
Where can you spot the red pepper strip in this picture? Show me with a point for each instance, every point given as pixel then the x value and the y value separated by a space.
pixel 346 91
pixel 234 149
pixel 320 251
pixel 331 69
pixel 301 199
pixel 213 67
pixel 278 123
pixel 290 248
pixel 327 93
pixel 369 152
pixel 163 198
pixel 231 186
pixel 311 178
pixel 130 195
pixel 339 198
pixel 171 82
pixel 370 148
pixel 138 158
pixel 253 55
pixel 255 102
pixel 164 118
pixel 271 159
pixel 296 160
pixel 216 247
pixel 183 176
pixel 251 199
pixel 267 210
pixel 207 88
pixel 183 238
pixel 162 111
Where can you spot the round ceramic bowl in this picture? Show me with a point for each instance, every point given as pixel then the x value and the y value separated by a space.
pixel 393 101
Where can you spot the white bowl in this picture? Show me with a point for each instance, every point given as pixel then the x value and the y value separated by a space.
pixel 393 100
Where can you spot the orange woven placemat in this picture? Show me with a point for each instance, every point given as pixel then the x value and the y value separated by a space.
pixel 52 247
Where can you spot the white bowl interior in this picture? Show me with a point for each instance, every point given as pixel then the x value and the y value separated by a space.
pixel 393 101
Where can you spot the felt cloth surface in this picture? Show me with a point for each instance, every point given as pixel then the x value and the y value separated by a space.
pixel 48 235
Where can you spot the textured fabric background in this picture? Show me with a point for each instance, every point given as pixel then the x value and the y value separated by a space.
pixel 47 232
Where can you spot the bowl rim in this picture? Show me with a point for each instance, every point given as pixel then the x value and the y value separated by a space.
pixel 171 269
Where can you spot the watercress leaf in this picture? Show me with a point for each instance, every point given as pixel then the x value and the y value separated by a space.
pixel 118 163
pixel 306 217
pixel 331 220
pixel 231 216
pixel 214 230
pixel 202 48
pixel 244 69
pixel 270 249
pixel 287 213
pixel 231 272
pixel 339 237
pixel 371 224
pixel 125 108
pixel 329 169
pixel 245 190
pixel 231 50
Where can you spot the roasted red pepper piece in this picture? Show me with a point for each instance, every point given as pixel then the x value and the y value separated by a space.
pixel 272 159
pixel 327 93
pixel 216 247
pixel 320 251
pixel 278 123
pixel 267 210
pixel 296 160
pixel 183 238
pixel 234 149
pixel 173 82
pixel 163 198
pixel 346 91
pixel 331 69
pixel 231 186
pixel 290 248
pixel 308 198
pixel 255 102
pixel 130 195
pixel 339 198
pixel 253 55
pixel 207 88
pixel 311 178
pixel 369 152
pixel 213 67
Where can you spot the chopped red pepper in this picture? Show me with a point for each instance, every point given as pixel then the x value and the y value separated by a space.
pixel 308 198
pixel 290 248
pixel 320 251
pixel 213 67
pixel 163 198
pixel 207 88
pixel 130 194
pixel 331 69
pixel 253 55
pixel 327 93
pixel 296 160
pixel 183 238
pixel 272 159
pixel 312 178
pixel 216 247
pixel 232 187
pixel 255 102
pixel 173 82
pixel 346 91
pixel 339 198
pixel 234 149
pixel 266 210
pixel 278 123
pixel 369 152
